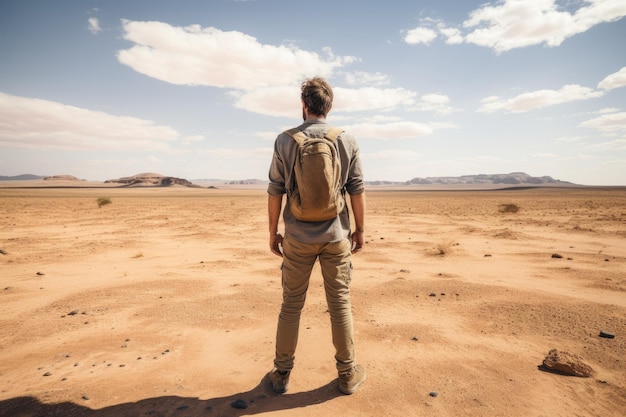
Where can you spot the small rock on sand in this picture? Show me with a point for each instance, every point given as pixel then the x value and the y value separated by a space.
pixel 567 364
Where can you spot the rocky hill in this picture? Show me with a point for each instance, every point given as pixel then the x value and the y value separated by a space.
pixel 150 179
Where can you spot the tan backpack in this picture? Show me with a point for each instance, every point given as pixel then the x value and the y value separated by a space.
pixel 316 194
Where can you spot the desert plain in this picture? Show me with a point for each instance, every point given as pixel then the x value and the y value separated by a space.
pixel 164 303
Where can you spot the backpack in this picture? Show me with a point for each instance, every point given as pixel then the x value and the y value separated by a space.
pixel 316 194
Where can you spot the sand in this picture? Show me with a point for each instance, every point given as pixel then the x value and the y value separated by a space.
pixel 164 303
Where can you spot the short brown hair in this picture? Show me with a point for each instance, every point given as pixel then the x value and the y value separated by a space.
pixel 317 96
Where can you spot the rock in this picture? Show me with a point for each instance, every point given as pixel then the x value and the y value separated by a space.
pixel 557 256
pixel 239 404
pixel 433 394
pixel 607 335
pixel 2 251
pixel 567 364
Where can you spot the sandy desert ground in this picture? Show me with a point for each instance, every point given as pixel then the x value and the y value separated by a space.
pixel 164 303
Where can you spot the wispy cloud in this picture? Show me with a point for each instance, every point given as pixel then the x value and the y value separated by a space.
pixel 614 122
pixel 366 78
pixel 435 102
pixel 389 131
pixel 94 25
pixel 42 124
pixel 538 99
pixel 613 81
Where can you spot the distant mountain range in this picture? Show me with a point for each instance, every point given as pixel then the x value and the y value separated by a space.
pixel 514 178
pixel 21 177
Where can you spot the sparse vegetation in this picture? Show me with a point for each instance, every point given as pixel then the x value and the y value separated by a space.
pixel 445 247
pixel 103 201
pixel 509 208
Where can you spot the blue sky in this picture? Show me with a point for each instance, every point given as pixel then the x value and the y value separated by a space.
pixel 200 89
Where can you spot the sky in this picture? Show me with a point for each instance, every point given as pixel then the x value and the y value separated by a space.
pixel 199 89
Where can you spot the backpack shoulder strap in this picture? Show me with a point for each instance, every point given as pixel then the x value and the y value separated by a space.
pixel 333 133
pixel 297 135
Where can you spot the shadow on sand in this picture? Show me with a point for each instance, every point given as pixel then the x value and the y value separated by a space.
pixel 260 399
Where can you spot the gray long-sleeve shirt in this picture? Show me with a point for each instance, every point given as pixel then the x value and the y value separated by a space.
pixel 281 173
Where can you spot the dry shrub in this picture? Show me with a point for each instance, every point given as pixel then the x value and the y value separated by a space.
pixel 103 201
pixel 509 208
pixel 445 247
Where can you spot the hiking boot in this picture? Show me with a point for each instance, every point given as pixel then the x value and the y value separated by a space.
pixel 280 380
pixel 350 380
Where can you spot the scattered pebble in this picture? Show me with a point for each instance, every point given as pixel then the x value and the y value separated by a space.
pixel 72 313
pixel 239 404
pixel 487 255
pixel 40 273
pixel 557 256
pixel 414 339
pixel 86 398
pixel 433 394
pixel 47 374
pixel 607 335
pixel 432 294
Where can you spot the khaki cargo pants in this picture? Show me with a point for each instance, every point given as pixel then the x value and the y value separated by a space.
pixel 336 267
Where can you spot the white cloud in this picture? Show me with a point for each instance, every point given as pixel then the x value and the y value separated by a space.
pixel 519 23
pixel 370 98
pixel 510 24
pixel 420 35
pixel 607 110
pixel 538 99
pixel 283 101
pixel 94 25
pixel 613 81
pixel 387 131
pixel 435 102
pixel 194 55
pixel 367 78
pixel 607 123
pixel 43 124
pixel 453 35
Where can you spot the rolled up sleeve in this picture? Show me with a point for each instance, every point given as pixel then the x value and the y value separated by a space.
pixel 276 175
pixel 355 183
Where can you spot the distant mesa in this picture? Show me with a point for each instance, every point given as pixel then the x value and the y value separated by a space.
pixel 61 178
pixel 150 179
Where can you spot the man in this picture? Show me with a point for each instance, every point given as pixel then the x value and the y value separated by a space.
pixel 330 241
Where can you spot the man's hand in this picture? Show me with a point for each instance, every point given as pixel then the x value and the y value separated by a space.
pixel 357 241
pixel 276 244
